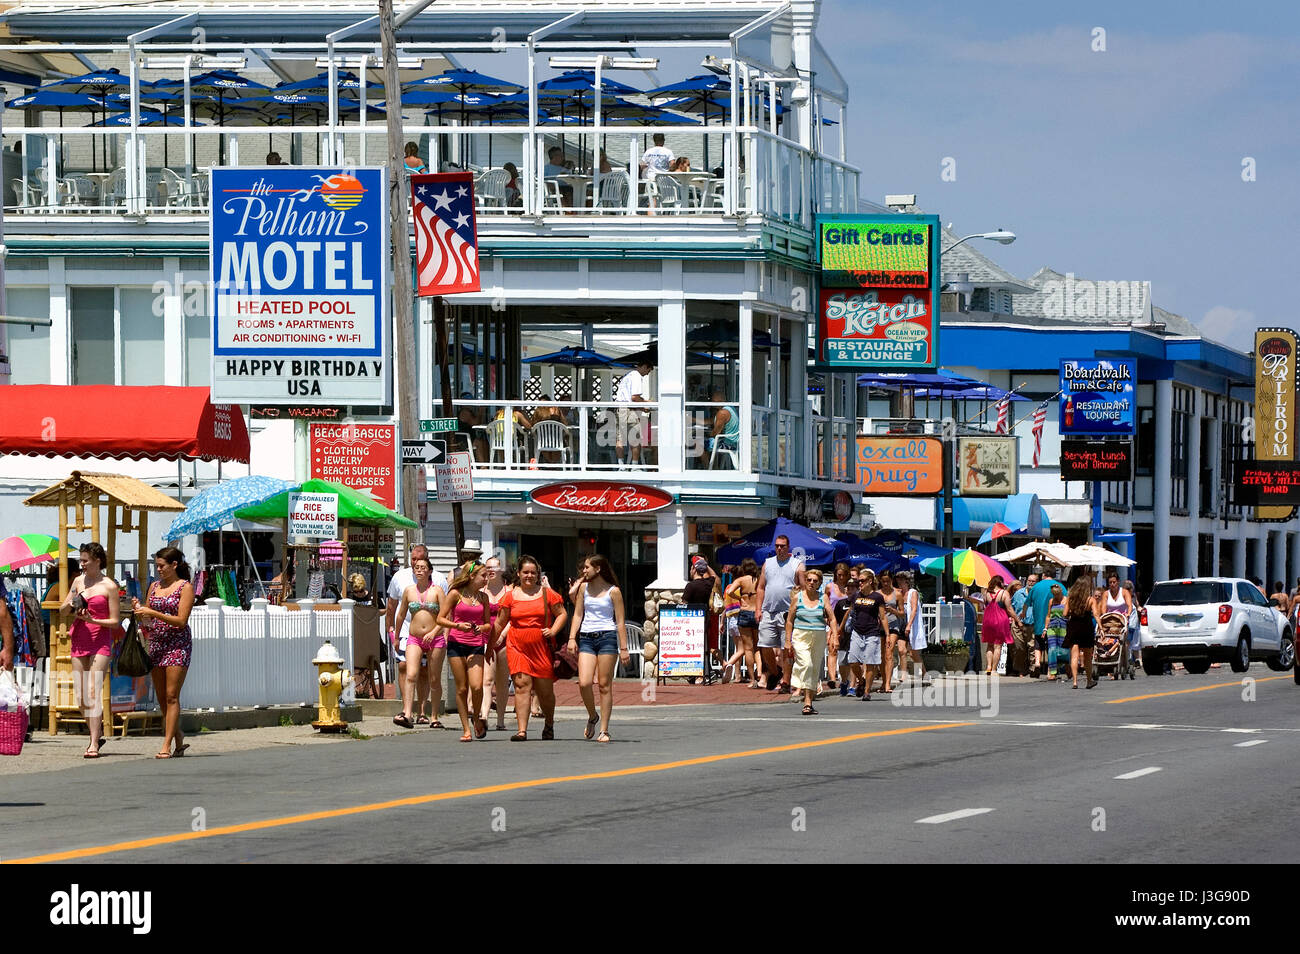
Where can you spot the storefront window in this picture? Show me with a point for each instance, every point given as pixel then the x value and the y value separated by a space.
pixel 143 350
pixel 93 338
pixel 29 345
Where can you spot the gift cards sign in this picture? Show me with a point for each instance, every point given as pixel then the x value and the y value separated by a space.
pixel 878 308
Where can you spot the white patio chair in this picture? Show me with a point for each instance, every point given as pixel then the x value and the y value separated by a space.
pixel 490 189
pixel 550 437
pixel 669 194
pixel 29 194
pixel 614 189
pixel 496 434
pixel 635 648
pixel 728 452
pixel 180 193
pixel 553 196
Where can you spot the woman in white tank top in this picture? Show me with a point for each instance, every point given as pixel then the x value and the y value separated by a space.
pixel 1117 600
pixel 598 635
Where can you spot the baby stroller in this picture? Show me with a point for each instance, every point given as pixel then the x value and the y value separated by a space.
pixel 1111 648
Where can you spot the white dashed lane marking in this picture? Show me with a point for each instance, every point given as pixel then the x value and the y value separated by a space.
pixel 953 816
pixel 1150 770
pixel 1246 745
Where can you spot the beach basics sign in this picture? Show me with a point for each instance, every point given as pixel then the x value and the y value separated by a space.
pixel 299 285
pixel 315 516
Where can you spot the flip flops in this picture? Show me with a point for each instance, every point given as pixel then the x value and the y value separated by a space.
pixel 590 730
pixel 809 710
pixel 548 733
pixel 403 720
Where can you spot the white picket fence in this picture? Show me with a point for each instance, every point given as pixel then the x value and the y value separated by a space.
pixel 262 656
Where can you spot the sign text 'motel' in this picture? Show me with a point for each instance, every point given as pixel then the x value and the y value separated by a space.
pixel 299 285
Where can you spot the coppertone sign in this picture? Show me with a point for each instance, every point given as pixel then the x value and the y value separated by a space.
pixel 1275 404
pixel 607 497
pixel 989 466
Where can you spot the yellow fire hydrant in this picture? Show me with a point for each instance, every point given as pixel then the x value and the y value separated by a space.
pixel 332 679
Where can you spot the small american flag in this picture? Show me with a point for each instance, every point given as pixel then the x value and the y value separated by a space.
pixel 1040 418
pixel 1003 406
pixel 446 239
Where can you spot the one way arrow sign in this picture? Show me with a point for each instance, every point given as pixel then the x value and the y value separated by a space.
pixel 424 452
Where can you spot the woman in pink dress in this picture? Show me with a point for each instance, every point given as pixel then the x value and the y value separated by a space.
pixel 92 601
pixel 166 615
pixel 997 624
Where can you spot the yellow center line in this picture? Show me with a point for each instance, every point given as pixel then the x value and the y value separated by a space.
pixel 448 796
pixel 1179 692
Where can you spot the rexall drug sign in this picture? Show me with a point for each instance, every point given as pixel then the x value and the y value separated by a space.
pixel 299 289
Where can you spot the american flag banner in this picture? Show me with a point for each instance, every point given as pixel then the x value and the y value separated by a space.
pixel 1040 418
pixel 1003 406
pixel 446 236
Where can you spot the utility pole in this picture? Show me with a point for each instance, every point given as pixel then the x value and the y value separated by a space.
pixel 403 295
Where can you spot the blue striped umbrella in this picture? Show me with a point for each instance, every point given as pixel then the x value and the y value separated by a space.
pixel 216 506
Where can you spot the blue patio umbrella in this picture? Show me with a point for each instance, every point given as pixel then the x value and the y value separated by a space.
pixel 697 94
pixel 917 379
pixel 148 117
pixel 223 83
pixel 461 81
pixel 578 358
pixel 49 97
pixel 216 506
pixel 320 83
pixel 808 545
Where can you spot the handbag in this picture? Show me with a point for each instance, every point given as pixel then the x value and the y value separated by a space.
pixel 133 660
pixel 564 664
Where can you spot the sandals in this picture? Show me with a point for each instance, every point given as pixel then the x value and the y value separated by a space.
pixel 159 755
pixel 480 733
pixel 180 750
pixel 603 737
pixel 422 719
pixel 548 733
pixel 590 730
pixel 403 720
pixel 435 724
pixel 467 737
pixel 88 754
pixel 809 710
pixel 519 737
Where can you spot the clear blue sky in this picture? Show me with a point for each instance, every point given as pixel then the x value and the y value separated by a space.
pixel 1123 164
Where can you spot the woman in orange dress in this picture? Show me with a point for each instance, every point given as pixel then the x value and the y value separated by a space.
pixel 535 614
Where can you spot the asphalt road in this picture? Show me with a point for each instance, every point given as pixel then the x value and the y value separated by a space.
pixel 1173 769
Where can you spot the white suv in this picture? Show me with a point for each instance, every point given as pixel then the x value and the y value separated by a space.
pixel 1197 622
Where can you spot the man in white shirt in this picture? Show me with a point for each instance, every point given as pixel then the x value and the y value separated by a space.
pixel 401 580
pixel 555 168
pixel 657 158
pixel 634 388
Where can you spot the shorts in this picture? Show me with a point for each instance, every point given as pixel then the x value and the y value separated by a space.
pixel 771 631
pixel 457 650
pixel 427 643
pixel 604 643
pixel 722 442
pixel 745 619
pixel 864 650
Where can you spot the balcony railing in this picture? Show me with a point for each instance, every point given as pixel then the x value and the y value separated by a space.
pixel 82 170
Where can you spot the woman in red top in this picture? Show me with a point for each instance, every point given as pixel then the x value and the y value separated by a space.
pixel 997 623
pixel 92 601
pixel 535 615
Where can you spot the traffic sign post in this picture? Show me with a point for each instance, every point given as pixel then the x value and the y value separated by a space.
pixel 425 451
pixel 438 425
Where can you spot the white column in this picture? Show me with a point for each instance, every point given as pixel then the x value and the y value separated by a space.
pixel 672 549
pixel 671 393
pixel 1295 560
pixel 1256 567
pixel 487 537
pixel 173 322
pixel 1191 554
pixel 745 399
pixel 1239 551
pixel 1277 566
pixel 1162 479
pixel 60 325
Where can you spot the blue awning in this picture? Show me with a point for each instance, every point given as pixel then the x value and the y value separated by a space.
pixel 1021 512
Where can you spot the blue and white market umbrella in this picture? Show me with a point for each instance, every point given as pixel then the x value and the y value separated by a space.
pixel 216 506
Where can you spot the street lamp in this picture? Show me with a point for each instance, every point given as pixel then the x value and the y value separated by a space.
pixel 1005 238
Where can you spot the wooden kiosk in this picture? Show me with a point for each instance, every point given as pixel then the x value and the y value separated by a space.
pixel 128 502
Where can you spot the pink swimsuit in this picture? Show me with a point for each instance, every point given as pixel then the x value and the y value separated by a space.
pixel 91 639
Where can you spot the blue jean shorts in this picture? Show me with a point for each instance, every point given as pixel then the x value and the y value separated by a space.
pixel 604 643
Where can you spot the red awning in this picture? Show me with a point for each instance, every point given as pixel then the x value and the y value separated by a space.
pixel 135 423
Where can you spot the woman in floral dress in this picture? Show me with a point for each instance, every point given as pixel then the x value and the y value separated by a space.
pixel 166 614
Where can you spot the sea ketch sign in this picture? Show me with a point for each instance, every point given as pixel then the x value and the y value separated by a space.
pixel 299 286
pixel 610 498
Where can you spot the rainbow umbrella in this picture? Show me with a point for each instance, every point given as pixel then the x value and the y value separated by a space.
pixel 969 567
pixel 27 549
